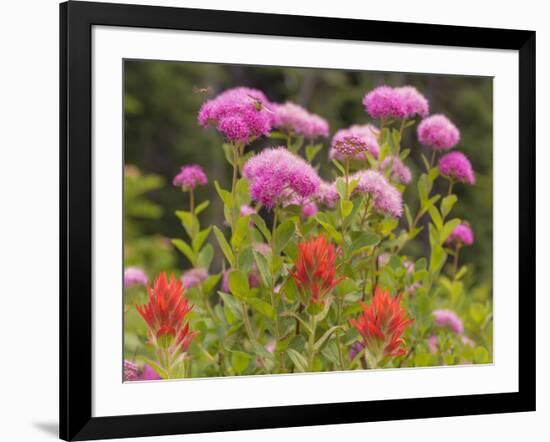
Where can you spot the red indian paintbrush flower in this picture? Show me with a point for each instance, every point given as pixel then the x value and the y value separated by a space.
pixel 381 326
pixel 166 310
pixel 315 270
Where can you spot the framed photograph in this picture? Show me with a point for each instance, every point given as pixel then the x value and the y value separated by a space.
pixel 272 221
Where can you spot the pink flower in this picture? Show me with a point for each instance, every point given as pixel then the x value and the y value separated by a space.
pixel 412 102
pixel 246 210
pixel 309 209
pixel 448 318
pixel 353 142
pixel 328 195
pixel 132 373
pixel 194 277
pixel 190 177
pixel 134 276
pixel 384 102
pixel 385 198
pixel 277 174
pixel 433 344
pixel 461 235
pixel 400 102
pixel 399 172
pixel 239 113
pixel 456 166
pixel 291 117
pixel 438 132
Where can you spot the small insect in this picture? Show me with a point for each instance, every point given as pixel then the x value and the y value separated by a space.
pixel 202 90
pixel 258 104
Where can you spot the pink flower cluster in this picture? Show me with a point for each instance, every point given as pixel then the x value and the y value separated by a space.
pixel 133 373
pixel 194 277
pixel 353 142
pixel 291 117
pixel 461 235
pixel 398 172
pixel 276 174
pixel 190 177
pixel 448 318
pixel 134 276
pixel 438 132
pixel 385 198
pixel 402 102
pixel 456 166
pixel 239 113
pixel 328 195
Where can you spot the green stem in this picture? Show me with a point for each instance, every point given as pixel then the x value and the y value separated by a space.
pixel 339 307
pixel 432 161
pixel 455 262
pixel 451 183
pixel 311 346
pixel 191 201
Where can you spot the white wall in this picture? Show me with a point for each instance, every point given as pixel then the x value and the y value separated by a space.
pixel 29 218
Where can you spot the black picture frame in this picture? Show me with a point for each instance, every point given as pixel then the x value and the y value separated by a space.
pixel 76 21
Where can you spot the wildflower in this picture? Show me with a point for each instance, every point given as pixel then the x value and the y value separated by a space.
pixel 134 276
pixel 438 132
pixel 130 371
pixel 433 344
pixel 402 102
pixel 276 174
pixel 385 198
pixel 239 114
pixel 398 172
pixel 190 177
pixel 461 235
pixel 381 326
pixel 355 349
pixel 315 272
pixel 309 209
pixel 383 102
pixel 412 102
pixel 448 318
pixel 194 277
pixel 133 373
pixel 456 166
pixel 293 118
pixel 246 210
pixel 327 194
pixel 354 142
pixel 165 313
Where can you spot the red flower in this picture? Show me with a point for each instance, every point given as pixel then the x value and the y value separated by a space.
pixel 381 326
pixel 315 270
pixel 166 310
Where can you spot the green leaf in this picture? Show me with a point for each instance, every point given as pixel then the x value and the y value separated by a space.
pixel 225 196
pixel 229 152
pixel 240 361
pixel 339 166
pixel 262 307
pixel 184 248
pixel 325 336
pixel 240 231
pixel 232 304
pixel 336 236
pixel 224 246
pixel 312 151
pixel 200 238
pixel 209 284
pixel 363 239
pixel 481 355
pixel 426 162
pixel 189 222
pixel 283 234
pixel 477 312
pixel 205 256
pixel 305 324
pixel 437 258
pixel 263 267
pixel 447 204
pixel 155 366
pixel 238 284
pixel 299 361
pixel 201 207
pixel 346 207
pixel 423 188
pixel 436 217
pixel 346 287
pixel 260 224
pixel 408 216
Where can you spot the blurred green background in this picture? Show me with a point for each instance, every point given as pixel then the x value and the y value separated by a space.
pixel 161 134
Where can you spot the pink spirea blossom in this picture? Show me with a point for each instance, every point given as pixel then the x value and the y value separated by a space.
pixel 385 198
pixel 134 276
pixel 239 113
pixel 353 142
pixel 193 277
pixel 461 235
pixel 309 209
pixel 413 102
pixel 438 132
pixel 190 177
pixel 246 210
pixel 402 102
pixel 433 344
pixel 276 174
pixel 327 194
pixel 448 318
pixel 133 373
pixel 399 171
pixel 457 166
pixel 291 117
